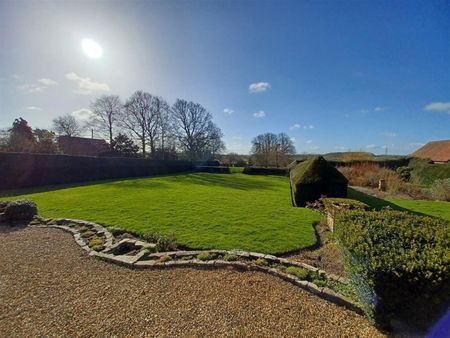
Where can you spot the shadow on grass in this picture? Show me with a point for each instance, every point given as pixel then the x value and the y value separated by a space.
pixel 126 182
pixel 229 181
pixel 378 203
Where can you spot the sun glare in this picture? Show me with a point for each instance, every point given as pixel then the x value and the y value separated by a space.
pixel 91 48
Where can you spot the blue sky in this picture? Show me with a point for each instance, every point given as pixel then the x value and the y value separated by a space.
pixel 333 75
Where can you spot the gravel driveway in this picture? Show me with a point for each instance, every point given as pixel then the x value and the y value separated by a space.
pixel 50 287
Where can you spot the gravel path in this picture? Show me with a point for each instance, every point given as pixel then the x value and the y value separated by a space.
pixel 50 287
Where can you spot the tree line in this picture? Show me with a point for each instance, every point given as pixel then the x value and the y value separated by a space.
pixel 160 130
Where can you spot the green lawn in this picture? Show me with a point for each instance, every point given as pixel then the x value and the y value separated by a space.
pixel 432 208
pixel 203 210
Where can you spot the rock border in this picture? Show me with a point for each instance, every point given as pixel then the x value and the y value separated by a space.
pixel 144 260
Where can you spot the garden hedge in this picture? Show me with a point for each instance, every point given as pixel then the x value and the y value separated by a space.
pixel 314 178
pixel 398 264
pixel 214 169
pixel 20 170
pixel 266 171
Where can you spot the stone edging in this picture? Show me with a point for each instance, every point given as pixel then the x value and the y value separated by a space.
pixel 143 260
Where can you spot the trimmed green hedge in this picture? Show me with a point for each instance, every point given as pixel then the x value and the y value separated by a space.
pixel 214 169
pixel 398 263
pixel 314 178
pixel 266 171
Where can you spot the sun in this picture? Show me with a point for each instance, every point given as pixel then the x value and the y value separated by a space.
pixel 91 48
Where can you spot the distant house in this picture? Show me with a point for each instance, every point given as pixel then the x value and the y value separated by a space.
pixel 80 146
pixel 437 151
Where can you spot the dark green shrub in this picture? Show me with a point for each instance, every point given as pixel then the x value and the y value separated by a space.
pixel 20 210
pixel 398 264
pixel 315 178
pixel 405 173
pixel 266 171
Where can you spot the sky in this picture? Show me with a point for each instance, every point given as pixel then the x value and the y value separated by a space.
pixel 334 75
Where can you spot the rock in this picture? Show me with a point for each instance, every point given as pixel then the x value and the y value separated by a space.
pixel 20 210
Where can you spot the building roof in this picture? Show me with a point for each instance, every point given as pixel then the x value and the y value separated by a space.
pixel 80 146
pixel 437 151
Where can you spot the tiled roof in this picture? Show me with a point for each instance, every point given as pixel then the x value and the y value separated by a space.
pixel 437 151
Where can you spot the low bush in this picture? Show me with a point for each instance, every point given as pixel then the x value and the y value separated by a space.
pixel 266 171
pixel 301 273
pixel 166 243
pixel 260 261
pixel 96 243
pixel 398 264
pixel 229 257
pixel 206 256
pixel 88 233
pixel 20 210
pixel 440 189
pixel 165 258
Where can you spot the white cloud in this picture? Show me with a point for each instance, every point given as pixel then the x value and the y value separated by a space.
pixel 380 108
pixel 86 85
pixel 389 134
pixel 237 137
pixel 438 106
pixel 39 87
pixel 32 88
pixel 295 126
pixel 308 127
pixel 258 87
pixel 83 114
pixel 364 111
pixel 259 114
pixel 371 146
pixel 309 141
pixel 33 108
pixel 293 139
pixel 228 111
pixel 47 82
pixel 15 76
pixel 314 147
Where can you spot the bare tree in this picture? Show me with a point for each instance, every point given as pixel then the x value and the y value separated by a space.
pixel 136 115
pixel 165 129
pixel 153 122
pixel 270 149
pixel 106 110
pixel 194 128
pixel 216 145
pixel 67 125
